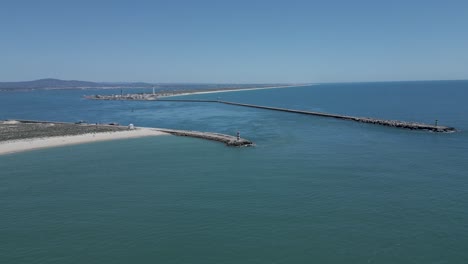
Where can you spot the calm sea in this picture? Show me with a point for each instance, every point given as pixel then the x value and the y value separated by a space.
pixel 313 190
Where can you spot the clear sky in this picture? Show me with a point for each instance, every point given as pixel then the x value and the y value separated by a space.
pixel 235 41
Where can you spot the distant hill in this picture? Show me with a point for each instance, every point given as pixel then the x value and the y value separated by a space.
pixel 50 84
pixel 63 84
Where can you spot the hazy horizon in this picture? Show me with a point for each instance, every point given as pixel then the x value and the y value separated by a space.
pixel 234 42
pixel 286 83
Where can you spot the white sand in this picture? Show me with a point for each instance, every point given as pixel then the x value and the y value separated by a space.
pixel 14 146
pixel 238 90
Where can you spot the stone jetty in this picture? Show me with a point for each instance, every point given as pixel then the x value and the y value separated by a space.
pixel 368 120
pixel 227 139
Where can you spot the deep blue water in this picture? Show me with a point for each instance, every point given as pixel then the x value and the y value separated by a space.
pixel 312 190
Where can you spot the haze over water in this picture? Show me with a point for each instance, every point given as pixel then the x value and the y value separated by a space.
pixel 312 190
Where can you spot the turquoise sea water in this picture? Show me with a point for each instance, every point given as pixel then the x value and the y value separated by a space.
pixel 313 190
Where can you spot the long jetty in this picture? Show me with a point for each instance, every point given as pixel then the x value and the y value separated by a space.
pixel 227 139
pixel 368 120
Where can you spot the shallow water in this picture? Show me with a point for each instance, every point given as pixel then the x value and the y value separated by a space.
pixel 312 190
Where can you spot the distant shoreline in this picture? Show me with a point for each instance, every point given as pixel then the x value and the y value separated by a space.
pixel 238 90
pixel 57 84
pixel 166 94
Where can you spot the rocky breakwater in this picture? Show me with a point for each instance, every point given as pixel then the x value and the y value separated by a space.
pixel 402 124
pixel 227 139
pixel 375 121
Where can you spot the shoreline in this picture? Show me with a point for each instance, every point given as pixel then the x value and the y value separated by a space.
pixel 15 146
pixel 166 94
pixel 25 135
pixel 237 90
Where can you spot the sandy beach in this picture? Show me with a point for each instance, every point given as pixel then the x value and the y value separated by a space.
pixel 13 146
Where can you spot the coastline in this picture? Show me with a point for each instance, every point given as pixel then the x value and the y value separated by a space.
pixel 165 94
pixel 15 146
pixel 238 90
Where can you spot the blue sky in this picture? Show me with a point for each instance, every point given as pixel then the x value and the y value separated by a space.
pixel 234 41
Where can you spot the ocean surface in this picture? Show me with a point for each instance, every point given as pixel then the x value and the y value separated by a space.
pixel 312 190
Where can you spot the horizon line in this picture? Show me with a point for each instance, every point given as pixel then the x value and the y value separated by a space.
pixel 205 83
